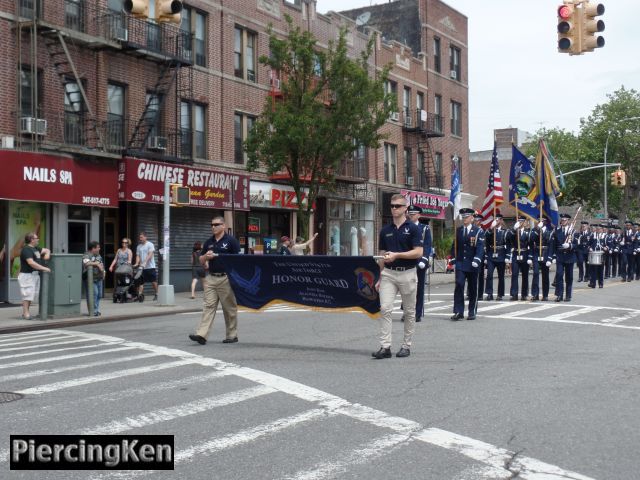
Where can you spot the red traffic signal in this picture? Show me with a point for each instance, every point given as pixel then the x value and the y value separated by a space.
pixel 569 29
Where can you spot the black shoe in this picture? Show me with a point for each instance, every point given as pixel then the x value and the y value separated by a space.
pixel 535 298
pixel 457 316
pixel 545 299
pixel 97 314
pixel 553 284
pixel 198 338
pixel 155 297
pixel 499 298
pixel 592 285
pixel 471 317
pixel 489 298
pixel 558 299
pixel 514 298
pixel 403 352
pixel 382 353
pixel 418 319
pixel 580 280
pixel 230 340
pixel 629 279
pixel 600 286
pixel 568 299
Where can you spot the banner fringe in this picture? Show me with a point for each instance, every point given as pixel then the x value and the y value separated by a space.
pixel 353 309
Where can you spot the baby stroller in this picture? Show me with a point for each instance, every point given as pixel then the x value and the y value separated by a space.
pixel 127 282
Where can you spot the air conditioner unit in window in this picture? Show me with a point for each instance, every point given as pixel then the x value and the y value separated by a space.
pixel 8 141
pixel 120 33
pixel 158 143
pixel 37 126
pixel 408 121
pixel 409 180
pixel 454 75
pixel 394 116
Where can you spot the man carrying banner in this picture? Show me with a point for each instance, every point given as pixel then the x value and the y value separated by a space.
pixel 467 249
pixel 217 288
pixel 400 245
pixel 564 241
pixel 496 247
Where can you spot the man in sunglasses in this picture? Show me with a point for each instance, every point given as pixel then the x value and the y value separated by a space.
pixel 217 288
pixel 400 246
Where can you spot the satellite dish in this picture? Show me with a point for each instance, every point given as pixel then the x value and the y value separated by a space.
pixel 363 18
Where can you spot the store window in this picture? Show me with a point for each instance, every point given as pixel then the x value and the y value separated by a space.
pixel 351 228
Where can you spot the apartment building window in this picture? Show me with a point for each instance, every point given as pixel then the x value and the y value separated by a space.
pixel 437 160
pixel 437 110
pixel 154 37
pixel 115 115
pixel 391 87
pixel 193 26
pixel 406 105
pixel 242 125
pixel 153 116
pixel 455 56
pixel 192 130
pixel 116 20
pixel 26 93
pixel 360 161
pixel 456 119
pixel 390 162
pixel 31 8
pixel 74 14
pixel 420 101
pixel 436 55
pixel 73 114
pixel 420 168
pixel 408 170
pixel 244 51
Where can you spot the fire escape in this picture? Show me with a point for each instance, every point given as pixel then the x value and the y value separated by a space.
pixel 419 128
pixel 67 30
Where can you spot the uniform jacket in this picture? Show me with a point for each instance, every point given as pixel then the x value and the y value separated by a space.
pixel 558 239
pixel 501 244
pixel 543 235
pixel 469 249
pixel 512 240
pixel 598 242
pixel 627 244
pixel 584 240
pixel 425 235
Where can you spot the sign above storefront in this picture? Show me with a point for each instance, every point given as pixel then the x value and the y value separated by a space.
pixel 271 195
pixel 143 181
pixel 433 206
pixel 49 178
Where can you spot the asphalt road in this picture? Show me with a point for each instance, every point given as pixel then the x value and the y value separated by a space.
pixel 528 390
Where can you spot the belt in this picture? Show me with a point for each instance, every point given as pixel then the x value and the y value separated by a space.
pixel 218 274
pixel 400 269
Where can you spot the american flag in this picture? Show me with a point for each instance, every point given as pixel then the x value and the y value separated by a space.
pixel 493 197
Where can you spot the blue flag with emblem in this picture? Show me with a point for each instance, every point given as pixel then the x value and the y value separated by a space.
pixel 522 185
pixel 320 282
pixel 454 196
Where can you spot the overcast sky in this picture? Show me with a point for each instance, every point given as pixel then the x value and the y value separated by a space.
pixel 517 77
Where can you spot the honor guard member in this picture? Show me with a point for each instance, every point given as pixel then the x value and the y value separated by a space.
pixel 615 252
pixel 538 256
pixel 543 258
pixel 520 258
pixel 621 264
pixel 477 221
pixel 636 249
pixel 467 250
pixel 414 213
pixel 401 245
pixel 584 238
pixel 496 255
pixel 627 249
pixel 564 243
pixel 597 243
pixel 608 251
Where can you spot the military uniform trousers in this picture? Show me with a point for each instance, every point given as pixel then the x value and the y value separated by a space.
pixel 422 275
pixel 535 279
pixel 491 266
pixel 218 290
pixel 517 268
pixel 458 294
pixel 583 268
pixel 637 266
pixel 481 279
pixel 596 274
pixel 628 267
pixel 564 275
pixel 613 263
pixel 392 282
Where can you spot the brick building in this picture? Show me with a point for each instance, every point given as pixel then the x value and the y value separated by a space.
pixel 100 107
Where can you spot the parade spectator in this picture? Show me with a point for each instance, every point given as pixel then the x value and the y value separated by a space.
pixel 284 246
pixel 31 264
pixel 124 255
pixel 299 247
pixel 145 258
pixel 92 259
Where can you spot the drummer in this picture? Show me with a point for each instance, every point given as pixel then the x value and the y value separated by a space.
pixel 597 244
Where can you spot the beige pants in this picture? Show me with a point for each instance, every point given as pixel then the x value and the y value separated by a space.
pixel 392 282
pixel 218 290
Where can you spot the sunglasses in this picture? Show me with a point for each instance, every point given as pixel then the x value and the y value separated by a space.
pixel 397 205
pixel 216 224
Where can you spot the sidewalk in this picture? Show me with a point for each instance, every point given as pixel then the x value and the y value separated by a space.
pixel 12 322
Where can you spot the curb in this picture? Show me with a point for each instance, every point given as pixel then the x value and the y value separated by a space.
pixel 90 320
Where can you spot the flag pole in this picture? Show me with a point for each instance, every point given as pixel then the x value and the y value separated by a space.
pixel 517 213
pixel 539 180
pixel 495 206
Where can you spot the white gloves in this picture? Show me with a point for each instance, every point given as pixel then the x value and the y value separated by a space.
pixel 553 261
pixel 516 226
pixel 507 261
pixel 540 224
pixel 422 265
pixel 494 223
pixel 548 264
pixel 474 265
pixel 529 262
pixel 565 245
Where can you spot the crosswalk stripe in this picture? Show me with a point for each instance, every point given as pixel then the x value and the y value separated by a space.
pixel 496 307
pixel 573 313
pixel 52 371
pixel 33 340
pixel 179 411
pixel 370 451
pixel 33 333
pixel 38 334
pixel 536 309
pixel 42 352
pixel 52 387
pixel 62 357
pixel 13 349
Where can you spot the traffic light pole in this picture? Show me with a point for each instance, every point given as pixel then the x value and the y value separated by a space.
pixel 605 200
pixel 165 291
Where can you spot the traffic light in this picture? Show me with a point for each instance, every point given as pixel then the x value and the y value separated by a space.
pixel 569 23
pixel 180 195
pixel 591 26
pixel 618 178
pixel 137 8
pixel 168 11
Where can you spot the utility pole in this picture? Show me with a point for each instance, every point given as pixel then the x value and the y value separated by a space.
pixel 165 291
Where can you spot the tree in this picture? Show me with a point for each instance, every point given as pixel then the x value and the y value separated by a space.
pixel 330 106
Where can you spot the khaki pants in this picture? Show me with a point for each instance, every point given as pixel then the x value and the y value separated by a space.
pixel 218 290
pixel 392 282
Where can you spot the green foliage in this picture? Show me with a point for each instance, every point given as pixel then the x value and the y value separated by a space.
pixel 330 105
pixel 443 245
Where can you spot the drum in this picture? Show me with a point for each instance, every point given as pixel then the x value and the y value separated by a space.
pixel 595 258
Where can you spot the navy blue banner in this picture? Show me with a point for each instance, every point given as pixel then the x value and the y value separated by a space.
pixel 317 281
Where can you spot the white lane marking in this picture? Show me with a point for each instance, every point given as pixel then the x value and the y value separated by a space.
pixel 370 451
pixel 536 309
pixel 62 357
pixel 38 334
pixel 179 411
pixel 435 309
pixel 33 340
pixel 53 387
pixel 67 342
pixel 621 318
pixel 496 307
pixel 493 456
pixel 574 313
pixel 30 354
pixel 31 333
pixel 52 371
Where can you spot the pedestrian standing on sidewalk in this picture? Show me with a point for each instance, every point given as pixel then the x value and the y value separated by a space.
pixel 92 259
pixel 401 245
pixel 31 264
pixel 217 288
pixel 300 246
pixel 124 255
pixel 145 257
pixel 284 247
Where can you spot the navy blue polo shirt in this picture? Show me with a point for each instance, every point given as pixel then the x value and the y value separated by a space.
pixel 403 239
pixel 226 244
